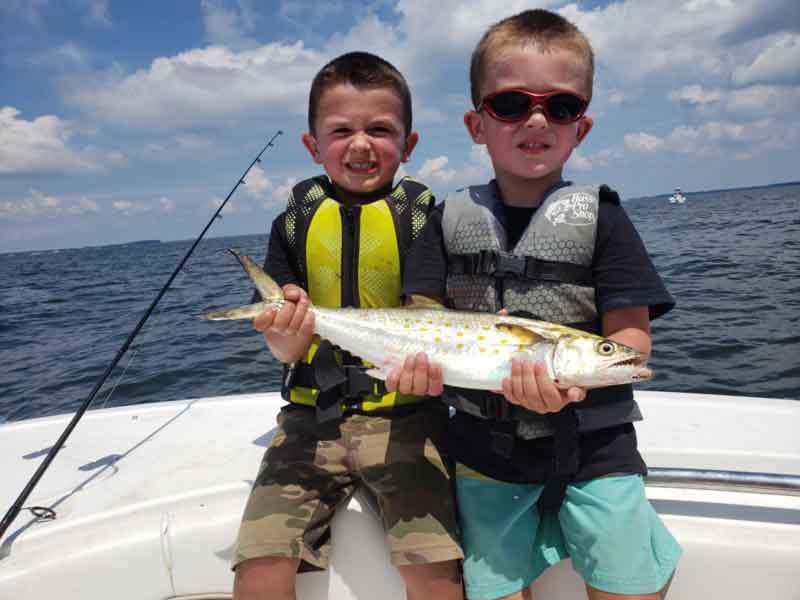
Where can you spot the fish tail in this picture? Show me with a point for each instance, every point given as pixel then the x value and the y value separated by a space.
pixel 271 293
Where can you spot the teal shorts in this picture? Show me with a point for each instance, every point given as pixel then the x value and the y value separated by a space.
pixel 615 538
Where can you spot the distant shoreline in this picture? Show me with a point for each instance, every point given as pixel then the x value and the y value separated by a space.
pixel 687 193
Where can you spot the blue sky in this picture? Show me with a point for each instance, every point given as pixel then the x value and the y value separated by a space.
pixel 122 121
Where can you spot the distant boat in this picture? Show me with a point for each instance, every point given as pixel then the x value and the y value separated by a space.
pixel 677 197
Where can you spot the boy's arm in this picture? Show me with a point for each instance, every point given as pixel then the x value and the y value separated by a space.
pixel 531 387
pixel 629 326
pixel 288 331
pixel 424 274
pixel 417 375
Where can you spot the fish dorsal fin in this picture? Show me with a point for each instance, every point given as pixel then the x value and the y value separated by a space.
pixel 418 301
pixel 270 291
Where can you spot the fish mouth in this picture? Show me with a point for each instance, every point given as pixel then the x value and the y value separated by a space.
pixel 641 372
pixel 643 375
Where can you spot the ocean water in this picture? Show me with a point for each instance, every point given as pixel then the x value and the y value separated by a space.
pixel 730 258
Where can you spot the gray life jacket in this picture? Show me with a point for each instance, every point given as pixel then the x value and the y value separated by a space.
pixel 546 276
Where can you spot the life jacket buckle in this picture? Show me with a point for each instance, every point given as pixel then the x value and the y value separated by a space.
pixel 504 264
pixel 357 383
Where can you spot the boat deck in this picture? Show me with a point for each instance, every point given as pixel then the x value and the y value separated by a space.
pixel 148 498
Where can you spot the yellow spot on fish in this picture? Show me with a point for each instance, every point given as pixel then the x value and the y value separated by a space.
pixel 503 341
pixel 481 349
pixel 430 322
pixel 481 338
pixel 459 346
pixel 438 340
pixel 424 329
pixel 460 334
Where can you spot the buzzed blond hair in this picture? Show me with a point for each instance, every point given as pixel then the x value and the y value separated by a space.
pixel 539 28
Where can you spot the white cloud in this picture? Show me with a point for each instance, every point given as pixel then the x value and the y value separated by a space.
pixel 452 26
pixel 187 89
pixel 129 208
pixel 83 206
pixel 475 170
pixel 579 162
pixel 68 55
pixel 229 27
pixel 281 193
pixel 777 63
pixel 696 94
pixel 41 204
pixel 773 100
pixel 259 193
pixel 617 97
pixel 643 142
pixel 708 38
pixel 715 138
pixel 166 205
pixel 585 163
pixel 256 183
pixel 42 146
pixel 436 169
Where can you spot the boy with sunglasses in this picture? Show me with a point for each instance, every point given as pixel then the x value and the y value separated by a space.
pixel 543 473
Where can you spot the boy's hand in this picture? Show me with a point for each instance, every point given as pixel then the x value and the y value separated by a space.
pixel 416 376
pixel 288 331
pixel 531 387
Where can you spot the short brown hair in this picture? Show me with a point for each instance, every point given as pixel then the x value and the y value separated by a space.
pixel 537 27
pixel 361 70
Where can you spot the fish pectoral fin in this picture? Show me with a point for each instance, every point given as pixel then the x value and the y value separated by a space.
pixel 418 301
pixel 382 371
pixel 524 335
pixel 251 311
pixel 378 373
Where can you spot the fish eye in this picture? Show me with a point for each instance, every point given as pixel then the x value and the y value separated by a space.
pixel 606 348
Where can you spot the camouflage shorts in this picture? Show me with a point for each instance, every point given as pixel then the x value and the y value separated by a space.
pixel 310 470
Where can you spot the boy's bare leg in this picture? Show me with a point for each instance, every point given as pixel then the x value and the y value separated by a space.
pixel 525 594
pixel 440 580
pixel 268 578
pixel 595 594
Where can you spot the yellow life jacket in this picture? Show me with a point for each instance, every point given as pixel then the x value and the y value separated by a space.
pixel 351 256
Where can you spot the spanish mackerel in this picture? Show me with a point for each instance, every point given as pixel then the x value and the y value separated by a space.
pixel 474 349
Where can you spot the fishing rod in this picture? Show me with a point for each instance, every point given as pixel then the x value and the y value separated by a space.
pixel 17 506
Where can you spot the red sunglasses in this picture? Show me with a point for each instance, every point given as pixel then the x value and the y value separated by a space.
pixel 558 106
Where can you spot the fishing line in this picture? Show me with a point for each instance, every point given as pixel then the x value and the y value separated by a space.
pixel 152 326
pixel 15 508
pixel 91 346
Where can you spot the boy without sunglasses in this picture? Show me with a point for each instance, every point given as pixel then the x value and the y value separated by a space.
pixel 543 473
pixel 332 439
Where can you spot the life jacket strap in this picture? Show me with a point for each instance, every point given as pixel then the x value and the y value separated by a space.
pixel 504 265
pixel 341 387
pixel 565 460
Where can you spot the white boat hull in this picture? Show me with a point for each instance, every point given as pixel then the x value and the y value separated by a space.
pixel 148 500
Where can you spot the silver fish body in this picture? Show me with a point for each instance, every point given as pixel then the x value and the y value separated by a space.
pixel 474 349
